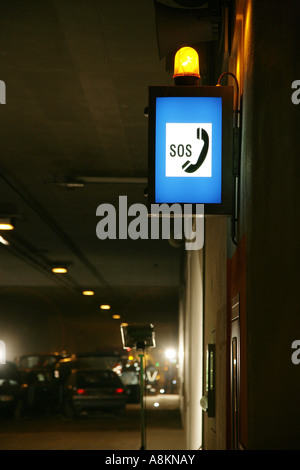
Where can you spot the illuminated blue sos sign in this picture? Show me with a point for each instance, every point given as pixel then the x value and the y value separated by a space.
pixel 188 150
pixel 187 164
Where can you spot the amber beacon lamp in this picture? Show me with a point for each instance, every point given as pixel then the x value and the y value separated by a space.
pixel 186 67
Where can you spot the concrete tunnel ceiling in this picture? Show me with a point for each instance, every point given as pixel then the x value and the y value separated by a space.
pixel 77 78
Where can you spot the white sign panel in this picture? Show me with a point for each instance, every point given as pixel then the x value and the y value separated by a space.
pixel 188 149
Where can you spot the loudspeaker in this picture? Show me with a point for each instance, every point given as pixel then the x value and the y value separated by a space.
pixel 178 27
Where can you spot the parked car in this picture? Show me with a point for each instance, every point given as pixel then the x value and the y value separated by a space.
pixel 130 380
pixel 90 390
pixel 40 360
pixel 105 360
pixel 91 360
pixel 9 388
pixel 39 391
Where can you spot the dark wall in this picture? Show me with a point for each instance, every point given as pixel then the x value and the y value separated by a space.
pixel 269 213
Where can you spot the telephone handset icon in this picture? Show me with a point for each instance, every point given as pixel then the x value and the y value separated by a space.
pixel 192 167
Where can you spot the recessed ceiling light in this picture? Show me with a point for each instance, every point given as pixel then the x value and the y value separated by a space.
pixel 6 224
pixel 116 317
pixel 59 270
pixel 88 292
pixel 105 307
pixel 3 241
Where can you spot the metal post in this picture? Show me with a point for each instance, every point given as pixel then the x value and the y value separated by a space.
pixel 143 443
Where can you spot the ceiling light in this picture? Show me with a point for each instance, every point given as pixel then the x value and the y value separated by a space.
pixel 6 224
pixel 116 317
pixel 88 292
pixel 105 307
pixel 59 270
pixel 3 241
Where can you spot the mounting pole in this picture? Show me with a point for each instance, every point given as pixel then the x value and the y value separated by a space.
pixel 139 337
pixel 143 436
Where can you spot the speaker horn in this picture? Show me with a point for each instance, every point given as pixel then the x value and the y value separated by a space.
pixel 177 27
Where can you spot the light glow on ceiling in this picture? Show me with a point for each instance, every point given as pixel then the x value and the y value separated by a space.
pixel 88 292
pixel 59 270
pixel 3 241
pixel 6 224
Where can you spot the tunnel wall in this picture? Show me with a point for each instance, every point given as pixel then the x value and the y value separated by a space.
pixel 263 268
pixel 191 348
pixel 215 328
pixel 269 208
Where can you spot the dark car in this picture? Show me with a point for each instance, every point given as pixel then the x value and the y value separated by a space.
pixel 97 360
pixel 90 391
pixel 40 360
pixel 39 391
pixel 93 360
pixel 9 388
